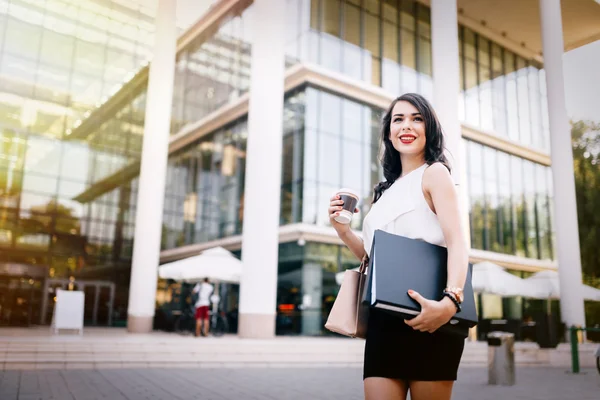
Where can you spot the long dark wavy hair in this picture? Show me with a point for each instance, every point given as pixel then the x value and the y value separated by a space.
pixel 434 146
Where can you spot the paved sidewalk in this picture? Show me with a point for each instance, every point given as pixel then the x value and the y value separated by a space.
pixel 273 384
pixel 107 348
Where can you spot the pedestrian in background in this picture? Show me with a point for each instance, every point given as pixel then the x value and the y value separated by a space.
pixel 204 290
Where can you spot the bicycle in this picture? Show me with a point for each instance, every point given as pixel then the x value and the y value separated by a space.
pixel 185 321
pixel 218 323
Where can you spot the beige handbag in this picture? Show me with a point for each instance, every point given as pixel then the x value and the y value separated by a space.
pixel 348 315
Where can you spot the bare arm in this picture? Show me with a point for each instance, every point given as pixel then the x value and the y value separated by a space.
pixel 441 195
pixel 439 187
pixel 353 242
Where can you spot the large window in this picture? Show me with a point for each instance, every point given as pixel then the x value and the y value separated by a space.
pixel 510 203
pixel 204 198
pixel 502 93
pixel 388 43
pixel 329 142
pixel 204 193
pixel 384 42
pixel 307 285
pixel 209 75
pixel 59 62
pixel 340 150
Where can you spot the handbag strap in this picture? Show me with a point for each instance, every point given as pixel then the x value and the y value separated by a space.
pixel 363 264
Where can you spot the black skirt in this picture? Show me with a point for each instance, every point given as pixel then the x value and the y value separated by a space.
pixel 395 350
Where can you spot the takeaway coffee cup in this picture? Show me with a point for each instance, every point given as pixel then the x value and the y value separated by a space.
pixel 350 199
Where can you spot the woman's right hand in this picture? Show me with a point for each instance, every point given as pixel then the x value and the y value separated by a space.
pixel 335 207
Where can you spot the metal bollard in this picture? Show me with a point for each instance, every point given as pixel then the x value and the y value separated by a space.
pixel 574 350
pixel 501 358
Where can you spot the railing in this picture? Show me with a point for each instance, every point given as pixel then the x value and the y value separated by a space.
pixel 575 345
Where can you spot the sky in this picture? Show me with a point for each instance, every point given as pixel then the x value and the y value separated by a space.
pixel 582 82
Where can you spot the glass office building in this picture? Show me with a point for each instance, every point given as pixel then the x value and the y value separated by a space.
pixel 72 101
pixel 59 61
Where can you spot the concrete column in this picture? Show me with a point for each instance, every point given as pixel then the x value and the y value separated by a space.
pixel 260 237
pixel 446 89
pixel 312 293
pixel 565 205
pixel 148 220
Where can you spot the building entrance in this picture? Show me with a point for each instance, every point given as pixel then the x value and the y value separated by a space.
pixel 99 299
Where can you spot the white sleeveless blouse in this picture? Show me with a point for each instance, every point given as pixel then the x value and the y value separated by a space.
pixel 403 210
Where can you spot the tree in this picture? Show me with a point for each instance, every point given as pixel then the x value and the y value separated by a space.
pixel 586 157
pixel 586 163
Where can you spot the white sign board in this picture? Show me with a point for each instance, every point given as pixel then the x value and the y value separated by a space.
pixel 68 310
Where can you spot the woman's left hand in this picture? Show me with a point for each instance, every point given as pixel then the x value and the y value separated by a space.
pixel 433 313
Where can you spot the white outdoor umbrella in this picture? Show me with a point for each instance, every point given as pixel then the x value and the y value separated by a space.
pixel 216 264
pixel 549 283
pixel 493 279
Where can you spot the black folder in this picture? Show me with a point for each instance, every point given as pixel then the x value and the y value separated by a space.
pixel 398 264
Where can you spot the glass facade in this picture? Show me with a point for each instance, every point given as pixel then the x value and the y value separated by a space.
pixel 388 43
pixel 509 203
pixel 329 142
pixel 204 197
pixel 60 61
pixel 205 184
pixel 307 286
pixel 502 93
pixel 384 42
pixel 72 105
pixel 341 149
pixel 209 74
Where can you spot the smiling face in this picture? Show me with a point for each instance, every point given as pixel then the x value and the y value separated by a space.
pixel 407 129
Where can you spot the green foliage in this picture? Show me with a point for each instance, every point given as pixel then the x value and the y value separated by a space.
pixel 586 157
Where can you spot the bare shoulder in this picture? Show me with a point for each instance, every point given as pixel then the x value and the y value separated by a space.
pixel 437 176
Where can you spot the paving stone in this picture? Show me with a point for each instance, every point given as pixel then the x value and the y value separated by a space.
pixel 256 383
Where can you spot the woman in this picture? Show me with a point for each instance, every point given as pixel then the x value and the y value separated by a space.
pixel 417 200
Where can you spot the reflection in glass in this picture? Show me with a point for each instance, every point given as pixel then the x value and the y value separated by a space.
pixel 491 203
pixel 60 205
pixel 409 58
pixel 371 44
pixel 530 209
pixel 543 213
pixel 366 43
pixel 352 24
pixel 329 159
pixel 390 41
pixel 330 113
pixel 523 101
pixel 509 203
pixel 518 197
pixel 498 88
pixel 511 96
pixel 57 49
pixel 331 17
pixel 535 97
pixel 485 85
pixel 476 193
pixel 23 39
pixel 504 181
